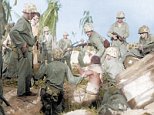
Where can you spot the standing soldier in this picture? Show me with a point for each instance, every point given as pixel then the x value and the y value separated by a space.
pixel 2 24
pixel 35 30
pixel 46 41
pixel 23 40
pixel 118 33
pixel 95 39
pixel 65 44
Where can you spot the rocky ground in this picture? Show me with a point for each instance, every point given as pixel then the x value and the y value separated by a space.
pixel 29 105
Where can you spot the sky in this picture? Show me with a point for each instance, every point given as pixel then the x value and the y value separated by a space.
pixel 103 12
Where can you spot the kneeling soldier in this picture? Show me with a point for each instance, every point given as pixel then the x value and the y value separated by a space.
pixel 52 94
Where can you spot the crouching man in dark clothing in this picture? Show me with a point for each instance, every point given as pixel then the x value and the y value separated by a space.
pixel 52 94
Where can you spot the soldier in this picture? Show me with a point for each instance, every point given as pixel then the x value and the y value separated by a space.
pixel 65 44
pixel 46 41
pixel 36 33
pixel 118 33
pixel 23 41
pixel 56 72
pixel 95 39
pixel 2 25
pixel 111 64
pixel 146 40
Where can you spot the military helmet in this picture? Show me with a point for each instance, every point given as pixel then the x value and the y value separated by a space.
pixel 57 53
pixel 29 8
pixel 120 14
pixel 144 29
pixel 112 51
pixel 45 28
pixel 33 8
pixel 88 27
pixel 65 34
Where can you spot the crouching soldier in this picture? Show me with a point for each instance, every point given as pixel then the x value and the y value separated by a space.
pixel 52 93
pixel 111 64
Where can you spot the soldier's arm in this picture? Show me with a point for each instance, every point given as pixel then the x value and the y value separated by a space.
pixel 126 35
pixel 40 74
pixel 100 47
pixel 111 30
pixel 16 36
pixel 72 79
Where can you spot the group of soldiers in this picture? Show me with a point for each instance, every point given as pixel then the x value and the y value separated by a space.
pixel 24 38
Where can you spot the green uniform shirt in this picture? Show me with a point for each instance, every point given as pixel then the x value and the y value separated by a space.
pixel 64 44
pixel 21 33
pixel 96 41
pixel 56 72
pixel 122 30
pixel 146 42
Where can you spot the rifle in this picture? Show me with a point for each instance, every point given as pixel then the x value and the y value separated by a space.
pixel 83 44
pixel 5 101
pixel 118 36
pixel 149 48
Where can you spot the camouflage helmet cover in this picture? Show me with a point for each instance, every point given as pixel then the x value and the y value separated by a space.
pixel 29 8
pixel 120 14
pixel 88 27
pixel 57 53
pixel 112 51
pixel 144 29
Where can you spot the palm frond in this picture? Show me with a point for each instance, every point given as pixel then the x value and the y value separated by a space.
pixel 50 16
pixel 86 19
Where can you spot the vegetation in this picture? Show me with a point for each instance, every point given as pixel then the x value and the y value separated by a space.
pixel 86 19
pixel 50 16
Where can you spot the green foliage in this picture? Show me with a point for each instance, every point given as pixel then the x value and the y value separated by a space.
pixel 86 19
pixel 7 9
pixel 50 16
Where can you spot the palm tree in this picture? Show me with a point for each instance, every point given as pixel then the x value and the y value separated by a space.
pixel 50 16
pixel 5 14
pixel 86 19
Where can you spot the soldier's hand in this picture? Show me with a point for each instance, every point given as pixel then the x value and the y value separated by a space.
pixel 114 37
pixel 24 48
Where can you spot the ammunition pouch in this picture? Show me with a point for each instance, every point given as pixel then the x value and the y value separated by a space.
pixel 51 93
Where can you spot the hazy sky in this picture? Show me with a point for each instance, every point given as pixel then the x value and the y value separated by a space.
pixel 137 12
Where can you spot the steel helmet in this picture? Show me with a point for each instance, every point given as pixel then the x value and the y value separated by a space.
pixel 57 53
pixel 144 29
pixel 88 27
pixel 65 34
pixel 29 8
pixel 120 14
pixel 112 51
pixel 33 8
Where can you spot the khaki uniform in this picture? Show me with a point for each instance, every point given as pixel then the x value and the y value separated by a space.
pixel 112 67
pixel 96 41
pixel 147 42
pixel 64 44
pixel 20 34
pixel 123 31
pixel 46 48
pixel 147 45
